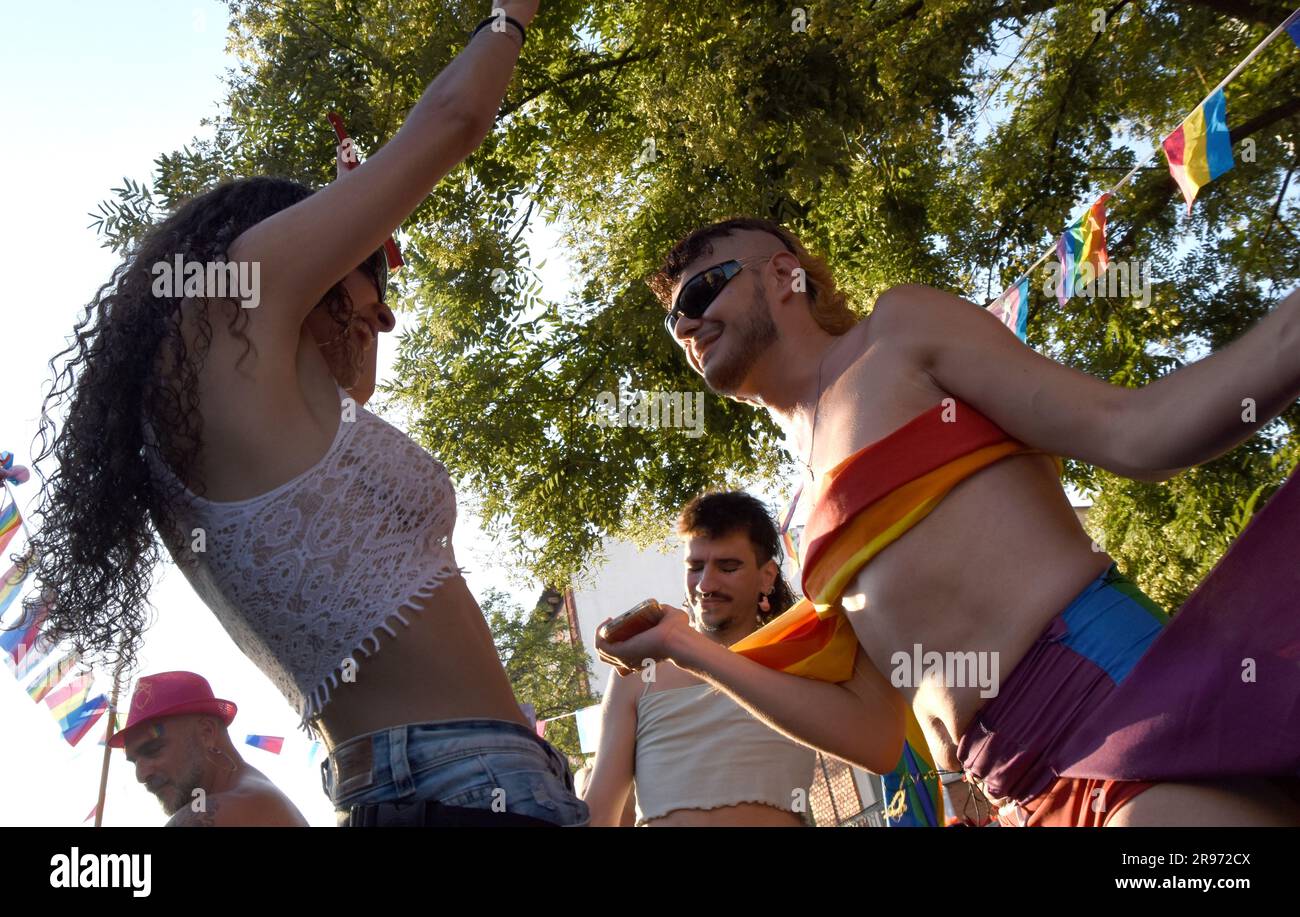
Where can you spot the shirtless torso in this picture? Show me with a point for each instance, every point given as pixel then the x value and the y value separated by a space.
pixel 958 581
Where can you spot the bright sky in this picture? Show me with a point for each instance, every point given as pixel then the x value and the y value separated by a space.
pixel 104 89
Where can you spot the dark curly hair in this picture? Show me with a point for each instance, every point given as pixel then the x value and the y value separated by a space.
pixel 718 514
pixel 95 547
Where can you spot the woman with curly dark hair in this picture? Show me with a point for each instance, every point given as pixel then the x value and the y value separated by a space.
pixel 318 534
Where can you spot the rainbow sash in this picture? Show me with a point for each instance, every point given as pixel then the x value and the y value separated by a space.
pixel 863 505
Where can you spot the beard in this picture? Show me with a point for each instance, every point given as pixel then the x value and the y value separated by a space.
pixel 177 794
pixel 751 339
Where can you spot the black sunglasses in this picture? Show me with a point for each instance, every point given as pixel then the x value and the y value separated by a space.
pixel 698 293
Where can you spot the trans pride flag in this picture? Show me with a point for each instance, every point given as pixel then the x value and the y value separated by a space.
pixel 1200 150
pixel 1012 307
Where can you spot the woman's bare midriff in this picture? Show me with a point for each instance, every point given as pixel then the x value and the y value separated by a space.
pixel 742 815
pixel 444 665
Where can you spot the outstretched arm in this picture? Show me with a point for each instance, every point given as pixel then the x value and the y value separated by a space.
pixel 860 721
pixel 1186 418
pixel 307 248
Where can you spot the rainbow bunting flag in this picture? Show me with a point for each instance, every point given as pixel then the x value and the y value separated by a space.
pixel 9 522
pixel 1082 251
pixel 1200 150
pixel 71 696
pixel 1012 307
pixel 78 722
pixel 53 675
pixel 34 658
pixel 13 581
pixel 273 744
pixel 17 642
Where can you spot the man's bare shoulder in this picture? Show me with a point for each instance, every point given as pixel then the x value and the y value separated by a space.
pixel 254 803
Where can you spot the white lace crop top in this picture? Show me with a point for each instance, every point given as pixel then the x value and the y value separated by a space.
pixel 303 576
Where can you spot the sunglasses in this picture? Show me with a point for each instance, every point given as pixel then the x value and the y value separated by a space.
pixel 698 293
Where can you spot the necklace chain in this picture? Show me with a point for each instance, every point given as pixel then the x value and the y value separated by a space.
pixel 817 406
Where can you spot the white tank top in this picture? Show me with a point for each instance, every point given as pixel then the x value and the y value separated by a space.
pixel 304 576
pixel 696 748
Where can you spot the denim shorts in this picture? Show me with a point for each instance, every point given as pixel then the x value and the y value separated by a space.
pixel 472 763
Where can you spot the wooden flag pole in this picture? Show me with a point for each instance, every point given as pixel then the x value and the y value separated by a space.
pixel 108 749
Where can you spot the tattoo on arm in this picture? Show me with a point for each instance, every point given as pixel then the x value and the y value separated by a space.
pixel 188 818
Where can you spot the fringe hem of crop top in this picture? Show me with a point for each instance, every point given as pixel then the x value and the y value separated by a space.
pixel 698 749
pixel 304 576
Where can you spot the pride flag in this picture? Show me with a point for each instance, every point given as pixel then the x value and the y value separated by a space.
pixel 273 744
pixel 71 696
pixel 18 642
pixel 1293 27
pixel 78 722
pixel 1012 307
pixel 45 684
pixel 1083 243
pixel 1200 150
pixel 34 658
pixel 13 579
pixel 8 523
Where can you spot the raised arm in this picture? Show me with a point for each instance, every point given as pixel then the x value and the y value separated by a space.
pixel 307 248
pixel 612 773
pixel 861 721
pixel 1188 417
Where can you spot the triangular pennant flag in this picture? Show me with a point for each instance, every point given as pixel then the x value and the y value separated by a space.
pixel 1012 307
pixel 1293 27
pixel 93 812
pixel 541 728
pixel 273 744
pixel 80 721
pixel 1200 150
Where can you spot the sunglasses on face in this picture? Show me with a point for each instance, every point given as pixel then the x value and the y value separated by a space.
pixel 698 293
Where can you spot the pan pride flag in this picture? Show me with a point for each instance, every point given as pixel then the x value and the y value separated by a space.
pixel 273 744
pixel 1200 150
pixel 1082 251
pixel 1012 307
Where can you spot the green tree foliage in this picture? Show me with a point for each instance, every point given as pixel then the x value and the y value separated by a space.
pixel 940 142
pixel 544 668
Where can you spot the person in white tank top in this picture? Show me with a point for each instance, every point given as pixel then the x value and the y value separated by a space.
pixel 696 756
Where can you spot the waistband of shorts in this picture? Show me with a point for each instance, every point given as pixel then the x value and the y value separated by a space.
pixel 476 729
pixel 1076 662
